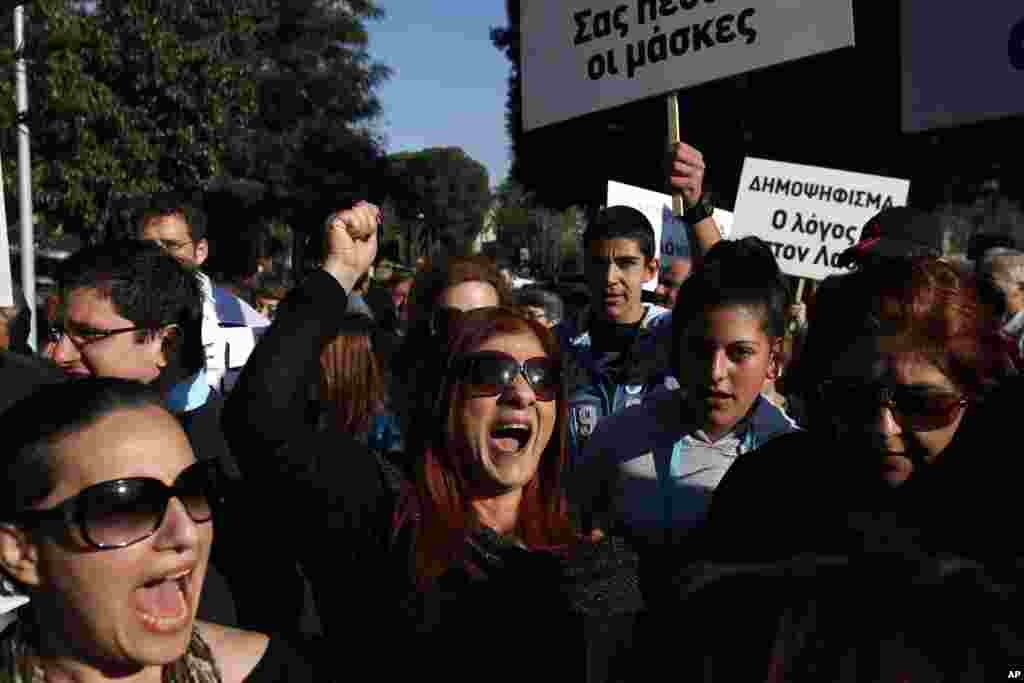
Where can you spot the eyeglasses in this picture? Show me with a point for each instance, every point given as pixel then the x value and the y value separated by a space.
pixel 489 373
pixel 916 409
pixel 171 245
pixel 83 336
pixel 122 512
pixel 534 314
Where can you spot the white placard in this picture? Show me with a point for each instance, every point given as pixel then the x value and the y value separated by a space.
pixel 725 220
pixel 961 65
pixel 6 288
pixel 586 56
pixel 807 214
pixel 670 233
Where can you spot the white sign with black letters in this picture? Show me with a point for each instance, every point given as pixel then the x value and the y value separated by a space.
pixel 6 285
pixel 808 214
pixel 585 56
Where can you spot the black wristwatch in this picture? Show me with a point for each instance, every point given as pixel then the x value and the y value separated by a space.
pixel 699 211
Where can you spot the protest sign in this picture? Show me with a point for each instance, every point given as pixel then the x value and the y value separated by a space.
pixel 981 78
pixel 807 214
pixel 583 57
pixel 6 290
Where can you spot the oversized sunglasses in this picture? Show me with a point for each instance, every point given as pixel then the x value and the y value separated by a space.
pixel 490 373
pixel 121 512
pixel 916 409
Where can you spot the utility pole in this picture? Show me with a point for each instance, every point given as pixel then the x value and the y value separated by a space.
pixel 28 263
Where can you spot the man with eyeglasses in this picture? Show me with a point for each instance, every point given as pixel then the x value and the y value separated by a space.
pixel 230 325
pixel 128 309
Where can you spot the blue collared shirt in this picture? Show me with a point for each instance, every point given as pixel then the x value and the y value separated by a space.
pixel 189 395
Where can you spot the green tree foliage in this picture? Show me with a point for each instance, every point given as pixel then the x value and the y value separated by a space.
pixel 448 188
pixel 121 102
pixel 312 145
pixel 262 109
pixel 513 215
pixel 551 236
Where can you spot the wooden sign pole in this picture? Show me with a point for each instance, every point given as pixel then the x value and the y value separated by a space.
pixel 678 201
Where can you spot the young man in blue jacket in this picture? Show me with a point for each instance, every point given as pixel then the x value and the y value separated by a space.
pixel 618 355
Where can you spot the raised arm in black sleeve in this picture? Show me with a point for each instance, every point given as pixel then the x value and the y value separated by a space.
pixel 268 406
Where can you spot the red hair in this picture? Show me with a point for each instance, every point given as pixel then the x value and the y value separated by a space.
pixel 351 383
pixel 934 310
pixel 442 489
pixel 431 283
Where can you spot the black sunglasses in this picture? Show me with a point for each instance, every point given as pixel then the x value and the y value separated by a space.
pixel 122 512
pixel 489 373
pixel 917 409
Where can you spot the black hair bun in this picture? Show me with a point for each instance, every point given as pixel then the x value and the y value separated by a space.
pixel 748 259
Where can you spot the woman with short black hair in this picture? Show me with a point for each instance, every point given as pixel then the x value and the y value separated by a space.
pixel 105 532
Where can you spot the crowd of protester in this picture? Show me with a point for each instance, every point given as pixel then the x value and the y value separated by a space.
pixel 435 474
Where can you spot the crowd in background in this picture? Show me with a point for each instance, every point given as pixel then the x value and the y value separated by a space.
pixel 435 473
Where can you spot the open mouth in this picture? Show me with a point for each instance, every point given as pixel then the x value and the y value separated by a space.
pixel 164 604
pixel 511 437
pixel 710 394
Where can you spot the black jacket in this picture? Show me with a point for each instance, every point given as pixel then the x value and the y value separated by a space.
pixel 22 375
pixel 806 493
pixel 874 574
pixel 335 503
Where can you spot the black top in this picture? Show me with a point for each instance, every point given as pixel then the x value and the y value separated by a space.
pixel 283 664
pixel 335 504
pixel 202 426
pixel 868 565
pixel 806 493
pixel 22 375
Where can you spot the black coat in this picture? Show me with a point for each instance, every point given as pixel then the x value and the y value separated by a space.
pixel 335 503
pixel 806 493
pixel 22 375
pixel 869 574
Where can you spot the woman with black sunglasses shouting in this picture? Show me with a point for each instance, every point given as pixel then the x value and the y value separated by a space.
pixel 105 533
pixel 469 568
pixel 901 441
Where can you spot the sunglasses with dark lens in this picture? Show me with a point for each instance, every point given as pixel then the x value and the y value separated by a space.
pixel 122 512
pixel 490 373
pixel 916 409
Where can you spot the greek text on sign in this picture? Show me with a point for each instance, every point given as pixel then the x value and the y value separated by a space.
pixel 809 215
pixel 585 56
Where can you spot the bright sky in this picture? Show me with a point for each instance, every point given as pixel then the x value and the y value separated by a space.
pixel 449 83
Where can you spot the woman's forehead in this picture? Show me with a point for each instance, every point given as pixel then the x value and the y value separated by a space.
pixel 469 295
pixel 889 357
pixel 521 345
pixel 139 442
pixel 740 320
